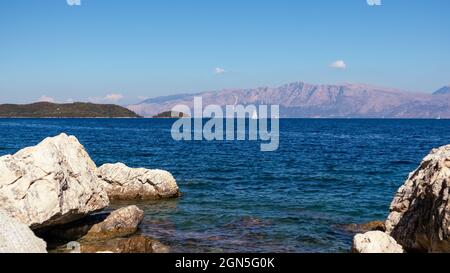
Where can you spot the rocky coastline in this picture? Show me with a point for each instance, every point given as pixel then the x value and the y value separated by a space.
pixel 52 196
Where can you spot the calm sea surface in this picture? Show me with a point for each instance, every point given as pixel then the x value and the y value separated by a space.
pixel 326 173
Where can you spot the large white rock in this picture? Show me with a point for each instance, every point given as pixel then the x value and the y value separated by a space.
pixel 419 216
pixel 54 182
pixel 16 237
pixel 375 242
pixel 124 183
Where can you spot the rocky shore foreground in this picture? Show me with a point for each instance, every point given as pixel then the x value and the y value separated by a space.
pixel 54 191
pixel 54 198
pixel 419 219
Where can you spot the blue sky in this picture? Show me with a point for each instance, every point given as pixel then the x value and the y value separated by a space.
pixel 122 51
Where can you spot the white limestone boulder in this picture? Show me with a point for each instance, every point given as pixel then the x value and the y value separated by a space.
pixel 16 237
pixel 52 183
pixel 124 183
pixel 375 242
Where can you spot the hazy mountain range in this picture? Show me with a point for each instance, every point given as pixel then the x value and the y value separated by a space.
pixel 303 100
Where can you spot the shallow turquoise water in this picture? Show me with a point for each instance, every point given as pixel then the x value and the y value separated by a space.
pixel 326 173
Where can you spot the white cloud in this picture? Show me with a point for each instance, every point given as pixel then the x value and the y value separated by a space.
pixel 109 98
pixel 374 2
pixel 219 70
pixel 143 97
pixel 113 97
pixel 45 98
pixel 95 99
pixel 70 101
pixel 74 2
pixel 339 64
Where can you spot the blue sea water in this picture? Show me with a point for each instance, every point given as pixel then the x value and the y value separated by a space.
pixel 326 173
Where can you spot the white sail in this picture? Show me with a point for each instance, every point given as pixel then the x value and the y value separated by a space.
pixel 255 115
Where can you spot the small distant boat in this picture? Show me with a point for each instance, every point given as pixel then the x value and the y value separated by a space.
pixel 438 117
pixel 255 115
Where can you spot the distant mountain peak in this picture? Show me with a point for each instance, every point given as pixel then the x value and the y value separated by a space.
pixel 443 91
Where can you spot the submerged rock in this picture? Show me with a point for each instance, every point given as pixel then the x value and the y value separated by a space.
pixel 51 183
pixel 134 244
pixel 362 228
pixel 419 216
pixel 248 222
pixel 124 183
pixel 375 242
pixel 121 222
pixel 16 237
pixel 102 226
